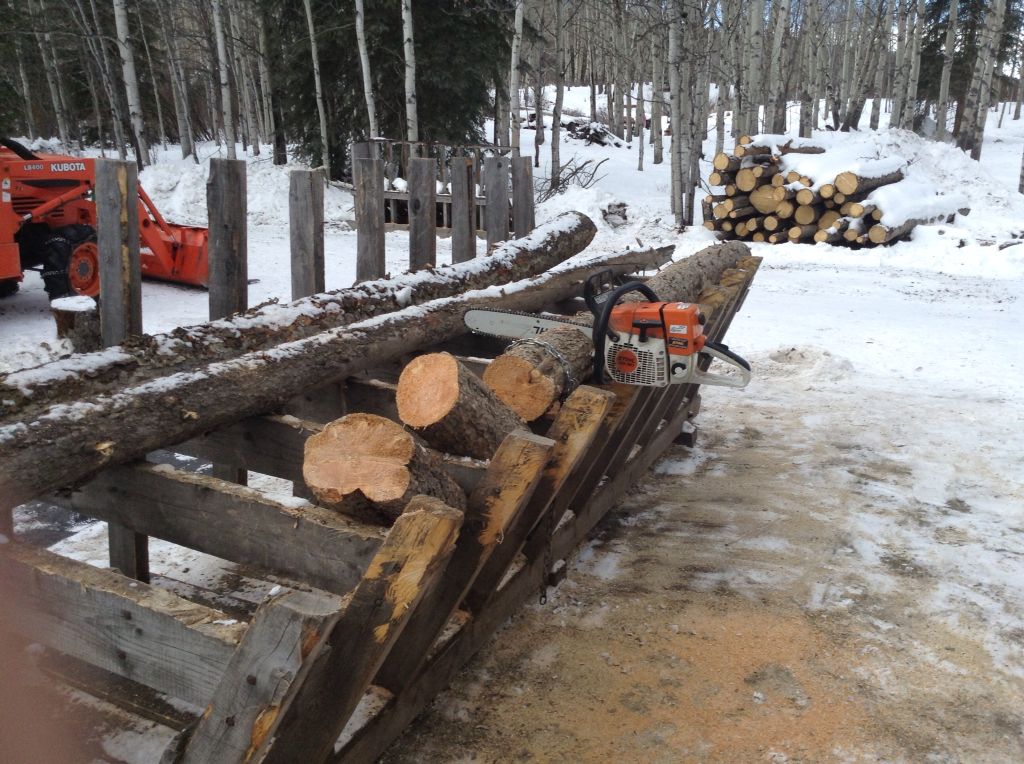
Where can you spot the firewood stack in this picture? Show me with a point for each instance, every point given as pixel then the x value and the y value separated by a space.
pixel 764 199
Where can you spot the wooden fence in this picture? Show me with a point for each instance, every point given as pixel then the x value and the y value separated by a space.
pixel 427 186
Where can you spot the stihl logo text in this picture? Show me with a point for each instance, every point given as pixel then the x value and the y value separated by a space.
pixel 67 167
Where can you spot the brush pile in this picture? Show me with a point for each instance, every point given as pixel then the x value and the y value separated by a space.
pixel 778 188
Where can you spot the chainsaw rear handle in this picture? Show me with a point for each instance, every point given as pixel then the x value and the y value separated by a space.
pixel 604 314
pixel 722 353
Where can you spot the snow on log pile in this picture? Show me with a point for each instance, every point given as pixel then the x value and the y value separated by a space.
pixel 778 188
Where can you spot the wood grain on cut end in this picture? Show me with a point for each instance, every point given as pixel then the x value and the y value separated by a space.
pixel 367 466
pixel 428 389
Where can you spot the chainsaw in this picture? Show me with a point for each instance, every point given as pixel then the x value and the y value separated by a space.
pixel 651 344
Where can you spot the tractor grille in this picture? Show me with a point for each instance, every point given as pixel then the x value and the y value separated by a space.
pixel 23 205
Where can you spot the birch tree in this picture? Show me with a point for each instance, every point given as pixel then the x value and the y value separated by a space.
pixel 775 109
pixel 131 82
pixel 513 79
pixel 314 51
pixel 971 127
pixel 227 115
pixel 50 69
pixel 556 118
pixel 364 62
pixel 411 120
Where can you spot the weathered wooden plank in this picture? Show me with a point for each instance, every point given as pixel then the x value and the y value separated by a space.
pixel 574 431
pixel 330 682
pixel 503 492
pixel 271 445
pixel 290 538
pixel 306 231
pixel 126 627
pixel 117 224
pixel 522 196
pixel 260 672
pixel 422 214
pixel 496 170
pixel 226 209
pixel 463 198
pixel 368 177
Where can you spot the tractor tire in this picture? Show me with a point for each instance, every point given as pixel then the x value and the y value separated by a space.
pixel 57 250
pixel 8 287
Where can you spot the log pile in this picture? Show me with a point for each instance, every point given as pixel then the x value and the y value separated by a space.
pixel 764 199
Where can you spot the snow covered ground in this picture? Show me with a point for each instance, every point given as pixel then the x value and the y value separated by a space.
pixel 869 481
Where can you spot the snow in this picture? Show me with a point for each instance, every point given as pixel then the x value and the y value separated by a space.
pixel 910 352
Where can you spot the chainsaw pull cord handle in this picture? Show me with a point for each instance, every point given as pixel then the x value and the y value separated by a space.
pixel 602 316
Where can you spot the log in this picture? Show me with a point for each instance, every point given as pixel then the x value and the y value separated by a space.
pixel 828 219
pixel 781 193
pixel 785 209
pixel 880 234
pixel 685 279
pixel 770 223
pixel 798 232
pixel 721 178
pixel 807 196
pixel 146 357
pixel 66 444
pixel 725 163
pixel 368 467
pixel 78 322
pixel 535 373
pixel 451 408
pixel 763 199
pixel 827 190
pixel 852 183
pixel 746 180
pixel 742 212
pixel 805 214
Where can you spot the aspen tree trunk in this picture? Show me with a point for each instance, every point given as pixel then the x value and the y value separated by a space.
pixel 948 48
pixel 131 81
pixel 178 89
pixel 640 118
pixel 881 57
pixel 26 92
pixel 227 117
pixel 242 81
pixel 865 74
pixel 62 93
pixel 806 107
pixel 267 86
pixel 412 123
pixel 846 76
pixel 50 69
pixel 675 119
pixel 152 79
pixel 971 132
pixel 538 100
pixel 657 97
pixel 98 49
pixel 513 78
pixel 775 109
pixel 364 63
pixel 314 51
pixel 616 105
pixel 94 93
pixel 910 101
pixel 1020 182
pixel 556 119
pixel 752 123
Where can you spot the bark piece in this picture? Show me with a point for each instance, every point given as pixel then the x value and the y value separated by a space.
pixel 531 376
pixel 452 408
pixel 369 467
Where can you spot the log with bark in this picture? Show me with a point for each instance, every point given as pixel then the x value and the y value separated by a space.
pixel 25 392
pixel 451 408
pixel 368 467
pixel 65 444
pixel 532 381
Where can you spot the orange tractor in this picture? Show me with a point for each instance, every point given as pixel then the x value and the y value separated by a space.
pixel 48 223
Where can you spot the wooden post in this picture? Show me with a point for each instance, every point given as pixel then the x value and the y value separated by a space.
pixel 117 224
pixel 306 228
pixel 229 270
pixel 422 214
pixel 226 208
pixel 496 190
pixel 117 233
pixel 368 177
pixel 463 210
pixel 522 196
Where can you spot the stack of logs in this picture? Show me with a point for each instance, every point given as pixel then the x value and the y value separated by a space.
pixel 368 466
pixel 762 201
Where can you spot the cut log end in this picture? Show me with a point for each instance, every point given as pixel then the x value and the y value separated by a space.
pixel 429 391
pixel 369 467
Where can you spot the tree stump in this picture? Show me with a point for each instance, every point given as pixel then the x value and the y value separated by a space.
pixel 78 321
pixel 369 467
pixel 451 408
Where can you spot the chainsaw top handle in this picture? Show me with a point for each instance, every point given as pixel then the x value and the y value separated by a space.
pixel 602 313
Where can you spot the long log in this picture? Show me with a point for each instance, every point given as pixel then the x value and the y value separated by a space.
pixel 532 377
pixel 368 467
pixel 146 357
pixel 451 408
pixel 851 183
pixel 67 443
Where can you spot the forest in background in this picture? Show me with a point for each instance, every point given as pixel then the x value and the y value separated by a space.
pixel 126 74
